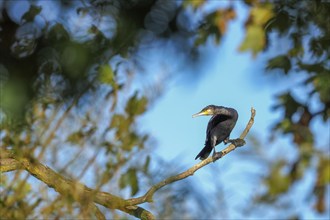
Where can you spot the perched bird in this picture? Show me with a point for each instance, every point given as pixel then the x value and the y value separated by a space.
pixel 221 124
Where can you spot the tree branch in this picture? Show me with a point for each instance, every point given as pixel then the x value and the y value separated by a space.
pixel 7 162
pixel 69 188
pixel 147 197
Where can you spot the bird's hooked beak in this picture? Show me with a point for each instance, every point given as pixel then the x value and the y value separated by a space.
pixel 203 112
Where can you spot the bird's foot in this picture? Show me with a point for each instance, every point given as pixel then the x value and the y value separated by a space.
pixel 238 142
pixel 216 155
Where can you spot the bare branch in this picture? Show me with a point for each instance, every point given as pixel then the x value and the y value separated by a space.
pixel 149 194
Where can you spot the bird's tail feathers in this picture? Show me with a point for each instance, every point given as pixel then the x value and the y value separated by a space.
pixel 205 152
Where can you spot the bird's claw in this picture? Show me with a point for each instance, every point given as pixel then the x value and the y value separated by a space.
pixel 238 142
pixel 216 156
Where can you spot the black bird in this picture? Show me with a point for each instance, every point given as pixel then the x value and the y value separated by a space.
pixel 221 124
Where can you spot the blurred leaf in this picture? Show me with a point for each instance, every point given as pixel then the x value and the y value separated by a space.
pixel 136 106
pixel 201 38
pixel 123 181
pixel 289 103
pixel 317 46
pixel 129 179
pixel 316 67
pixel 322 86
pixel 255 36
pixel 277 182
pixel 133 181
pixel 195 4
pixel 222 17
pixel 251 2
pixel 215 25
pixel 75 137
pixel 116 120
pixel 324 170
pixel 285 126
pixel 281 22
pixel 106 75
pixel 74 59
pixel 296 51
pixel 58 33
pixel 146 164
pixel 322 180
pixel 14 100
pixel 254 40
pixel 261 14
pixel 130 141
pixel 279 62
pixel 31 13
pixel 120 124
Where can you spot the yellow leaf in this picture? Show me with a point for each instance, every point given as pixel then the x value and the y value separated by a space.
pixel 261 14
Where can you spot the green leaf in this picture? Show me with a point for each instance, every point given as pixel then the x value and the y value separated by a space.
pixel 57 33
pixel 201 38
pixel 285 125
pixel 130 179
pixel 296 51
pixel 313 68
pixel 13 102
pixel 130 141
pixel 277 182
pixel 75 137
pixel 279 62
pixel 121 124
pixel 254 40
pixel 136 106
pixel 325 175
pixel 321 83
pixel 123 181
pixel 106 75
pixel 255 37
pixel 117 119
pixel 290 104
pixel 146 164
pixel 281 22
pixel 133 181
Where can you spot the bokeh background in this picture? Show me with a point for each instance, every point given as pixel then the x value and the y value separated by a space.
pixel 103 92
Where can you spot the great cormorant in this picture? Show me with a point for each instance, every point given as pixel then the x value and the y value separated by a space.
pixel 221 124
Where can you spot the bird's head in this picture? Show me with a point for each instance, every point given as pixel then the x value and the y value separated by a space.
pixel 208 110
